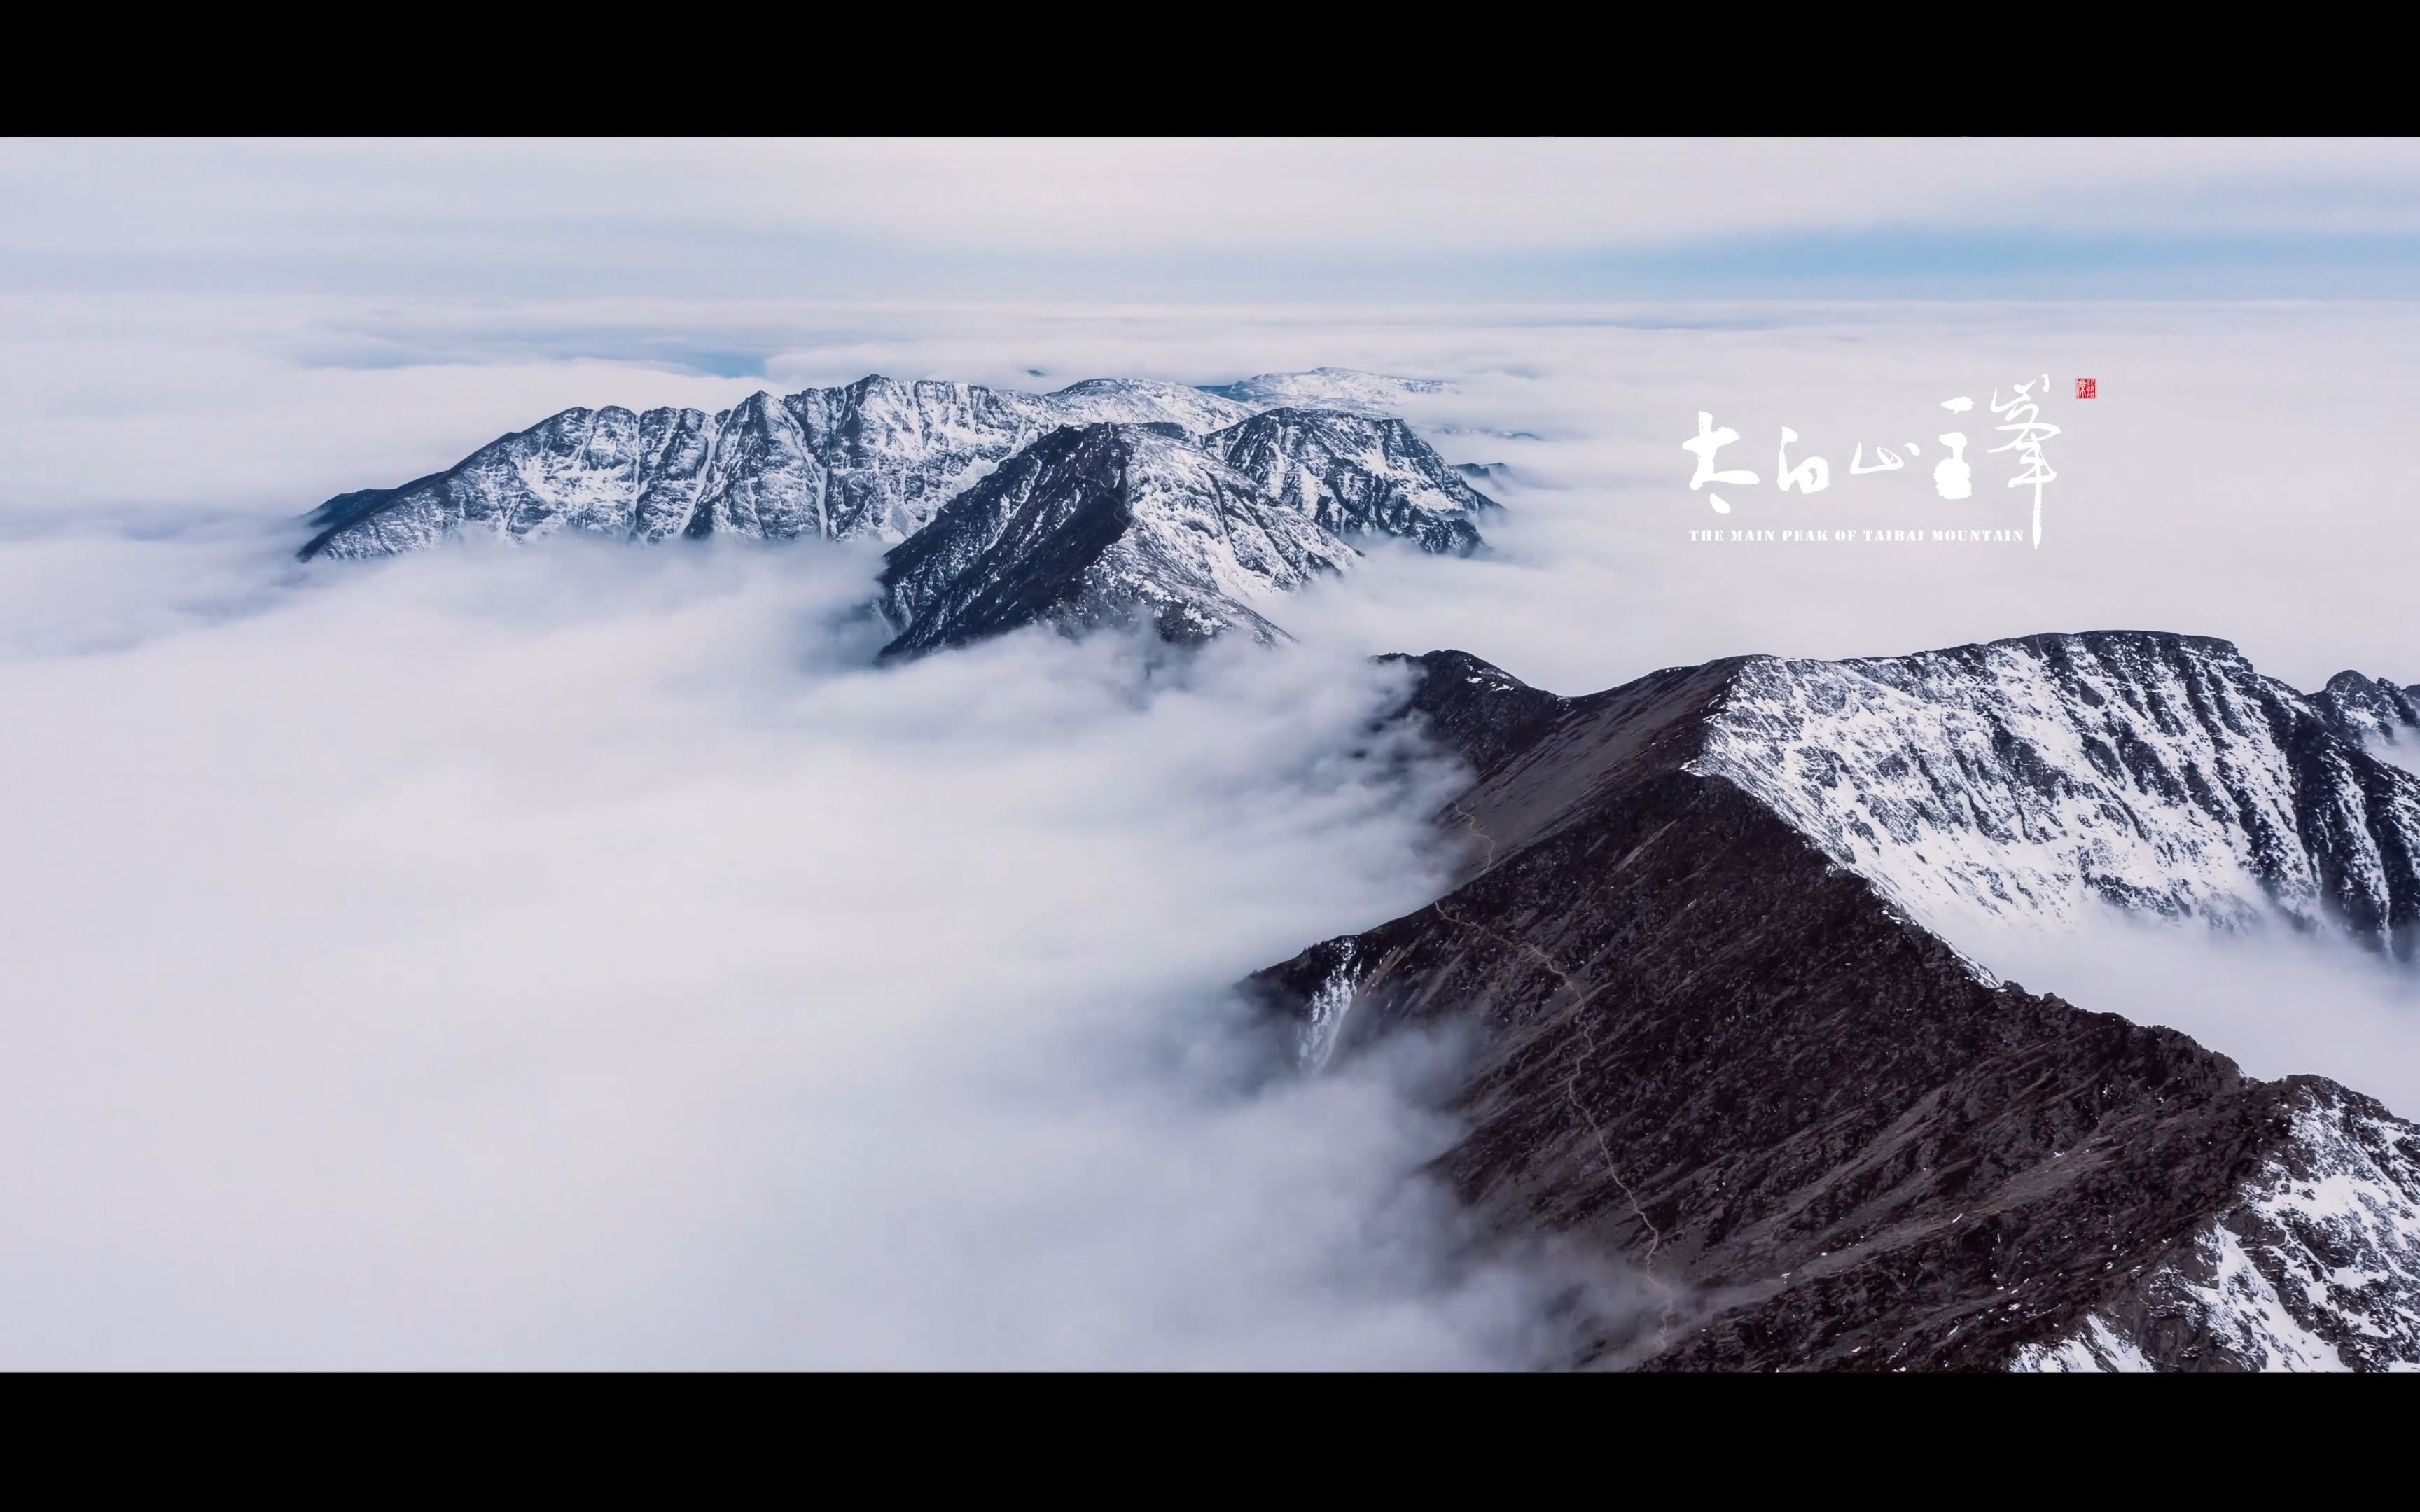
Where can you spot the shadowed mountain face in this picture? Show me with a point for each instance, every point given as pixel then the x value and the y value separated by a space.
pixel 1097 524
pixel 1711 1044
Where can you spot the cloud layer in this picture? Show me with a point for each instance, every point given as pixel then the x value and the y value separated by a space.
pixel 576 956
pixel 2278 1003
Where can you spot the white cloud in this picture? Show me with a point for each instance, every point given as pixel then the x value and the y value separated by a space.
pixel 576 958
pixel 2404 752
pixel 2277 1003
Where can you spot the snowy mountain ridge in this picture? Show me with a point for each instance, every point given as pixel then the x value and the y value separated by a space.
pixel 1715 1028
pixel 2315 1267
pixel 2032 778
pixel 1356 476
pixel 875 457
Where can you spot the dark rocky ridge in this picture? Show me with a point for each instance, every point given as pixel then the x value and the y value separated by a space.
pixel 1097 524
pixel 1705 1047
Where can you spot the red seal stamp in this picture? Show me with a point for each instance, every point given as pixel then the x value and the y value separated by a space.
pixel 2088 388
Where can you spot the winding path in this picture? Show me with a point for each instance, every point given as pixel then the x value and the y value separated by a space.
pixel 1581 994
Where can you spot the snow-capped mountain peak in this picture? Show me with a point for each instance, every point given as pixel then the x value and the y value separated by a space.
pixel 1097 524
pixel 1356 476
pixel 2031 778
pixel 2371 708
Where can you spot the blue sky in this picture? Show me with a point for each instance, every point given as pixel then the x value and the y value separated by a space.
pixel 1216 221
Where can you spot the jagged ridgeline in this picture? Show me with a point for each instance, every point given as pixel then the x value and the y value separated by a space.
pixel 1707 956
pixel 1105 501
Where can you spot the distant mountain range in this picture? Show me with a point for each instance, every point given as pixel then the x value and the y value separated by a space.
pixel 1706 954
pixel 1106 500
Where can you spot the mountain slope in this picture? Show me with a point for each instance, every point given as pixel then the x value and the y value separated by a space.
pixel 1356 476
pixel 2033 778
pixel 1703 1045
pixel 1094 525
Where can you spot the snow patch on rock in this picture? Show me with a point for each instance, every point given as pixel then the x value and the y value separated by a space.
pixel 2318 1268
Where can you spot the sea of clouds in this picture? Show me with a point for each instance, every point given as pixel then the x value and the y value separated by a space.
pixel 582 956
pixel 577 958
